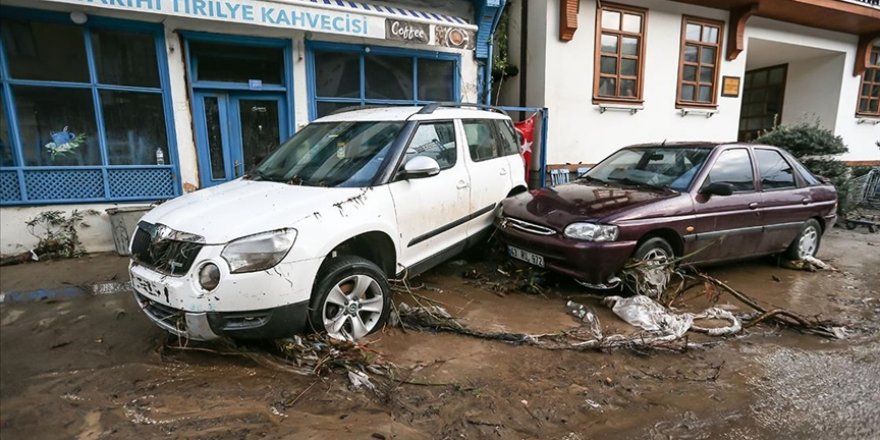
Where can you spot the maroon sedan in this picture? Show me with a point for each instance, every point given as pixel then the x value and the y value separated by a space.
pixel 659 201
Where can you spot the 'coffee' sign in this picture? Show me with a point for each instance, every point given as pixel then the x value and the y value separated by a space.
pixel 407 31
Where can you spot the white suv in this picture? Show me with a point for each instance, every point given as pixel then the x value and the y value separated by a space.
pixel 308 239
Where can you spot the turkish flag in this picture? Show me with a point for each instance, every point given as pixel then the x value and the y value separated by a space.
pixel 526 129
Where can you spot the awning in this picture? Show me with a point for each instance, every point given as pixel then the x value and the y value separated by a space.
pixel 368 20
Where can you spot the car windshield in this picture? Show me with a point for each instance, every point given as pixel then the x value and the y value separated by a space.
pixel 658 167
pixel 345 154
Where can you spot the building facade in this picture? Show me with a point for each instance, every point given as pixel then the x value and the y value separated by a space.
pixel 627 72
pixel 107 103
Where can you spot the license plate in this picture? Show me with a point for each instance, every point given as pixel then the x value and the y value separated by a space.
pixel 146 287
pixel 526 256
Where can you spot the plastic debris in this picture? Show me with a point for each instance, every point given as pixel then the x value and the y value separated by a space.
pixel 360 380
pixel 643 312
pixel 587 315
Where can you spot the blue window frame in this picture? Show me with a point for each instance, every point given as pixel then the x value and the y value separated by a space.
pixel 342 75
pixel 86 111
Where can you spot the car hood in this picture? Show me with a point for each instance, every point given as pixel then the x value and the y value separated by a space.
pixel 579 201
pixel 244 207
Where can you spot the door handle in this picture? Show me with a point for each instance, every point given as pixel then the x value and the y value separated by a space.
pixel 753 205
pixel 503 171
pixel 462 184
pixel 806 200
pixel 235 168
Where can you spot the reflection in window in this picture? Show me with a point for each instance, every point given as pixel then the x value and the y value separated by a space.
pixel 6 157
pixel 45 51
pixel 134 126
pixel 436 141
pixel 733 167
pixel 234 63
pixel 386 79
pixel 125 58
pixel 215 137
pixel 775 171
pixel 56 126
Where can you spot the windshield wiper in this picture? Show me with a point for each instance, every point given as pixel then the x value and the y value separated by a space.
pixel 593 179
pixel 636 183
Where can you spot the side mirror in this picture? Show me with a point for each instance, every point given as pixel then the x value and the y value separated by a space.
pixel 420 166
pixel 717 189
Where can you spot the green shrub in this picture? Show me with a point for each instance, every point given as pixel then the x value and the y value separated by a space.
pixel 816 147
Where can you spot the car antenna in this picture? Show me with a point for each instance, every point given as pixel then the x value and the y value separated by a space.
pixel 663 144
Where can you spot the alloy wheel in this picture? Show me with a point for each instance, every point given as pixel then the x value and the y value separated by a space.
pixel 808 242
pixel 353 307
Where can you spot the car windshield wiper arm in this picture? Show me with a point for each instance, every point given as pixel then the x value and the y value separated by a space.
pixel 628 181
pixel 593 179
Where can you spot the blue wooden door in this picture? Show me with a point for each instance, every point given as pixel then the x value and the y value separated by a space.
pixel 235 131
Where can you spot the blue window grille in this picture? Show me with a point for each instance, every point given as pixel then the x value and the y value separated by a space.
pixel 118 164
pixel 421 76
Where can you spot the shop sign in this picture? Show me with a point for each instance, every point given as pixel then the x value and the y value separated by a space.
pixel 253 12
pixel 407 31
pixel 730 86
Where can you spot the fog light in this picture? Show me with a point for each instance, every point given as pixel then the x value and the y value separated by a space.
pixel 209 276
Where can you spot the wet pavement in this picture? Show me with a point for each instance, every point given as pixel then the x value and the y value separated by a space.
pixel 92 367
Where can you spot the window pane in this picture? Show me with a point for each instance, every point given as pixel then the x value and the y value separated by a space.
pixel 45 51
pixel 690 54
pixel 127 58
pixel 707 75
pixel 609 65
pixel 872 105
pixel 337 75
pixel 632 23
pixel 875 91
pixel 687 92
pixel 57 126
pixel 388 77
pixel 777 76
pixel 689 73
pixel 630 46
pixel 435 80
pixel 215 137
pixel 607 86
pixel 134 125
pixel 628 88
pixel 509 144
pixel 735 168
pixel 628 67
pixel 759 78
pixel 707 55
pixel 481 139
pixel 710 34
pixel 234 63
pixel 875 58
pixel 609 43
pixel 325 108
pixel 775 172
pixel 705 94
pixel 436 141
pixel 610 19
pixel 6 158
pixel 260 131
pixel 863 105
pixel 692 32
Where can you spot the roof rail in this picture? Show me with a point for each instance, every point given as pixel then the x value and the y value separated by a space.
pixel 352 108
pixel 430 108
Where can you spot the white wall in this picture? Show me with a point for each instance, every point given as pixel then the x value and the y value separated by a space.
pixel 804 101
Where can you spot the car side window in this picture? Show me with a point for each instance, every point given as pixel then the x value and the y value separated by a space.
pixel 509 143
pixel 776 172
pixel 733 167
pixel 435 140
pixel 482 139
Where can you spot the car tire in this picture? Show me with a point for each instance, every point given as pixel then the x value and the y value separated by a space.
pixel 807 241
pixel 650 283
pixel 351 299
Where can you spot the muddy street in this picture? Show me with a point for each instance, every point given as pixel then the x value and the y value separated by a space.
pixel 92 367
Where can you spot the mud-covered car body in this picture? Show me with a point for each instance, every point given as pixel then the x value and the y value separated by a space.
pixel 768 204
pixel 399 188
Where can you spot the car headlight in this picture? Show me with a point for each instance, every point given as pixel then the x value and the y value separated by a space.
pixel 591 232
pixel 259 251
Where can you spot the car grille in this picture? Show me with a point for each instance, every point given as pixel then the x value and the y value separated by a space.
pixel 525 226
pixel 169 318
pixel 170 257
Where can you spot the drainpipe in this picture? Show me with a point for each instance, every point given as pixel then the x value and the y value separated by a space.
pixel 523 52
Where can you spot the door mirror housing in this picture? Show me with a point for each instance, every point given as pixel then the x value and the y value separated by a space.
pixel 717 189
pixel 420 166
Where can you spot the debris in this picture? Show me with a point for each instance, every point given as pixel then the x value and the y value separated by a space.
pixel 586 315
pixel 643 312
pixel 360 380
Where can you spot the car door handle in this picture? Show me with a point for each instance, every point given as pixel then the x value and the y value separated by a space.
pixel 503 171
pixel 462 184
pixel 753 205
pixel 806 200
